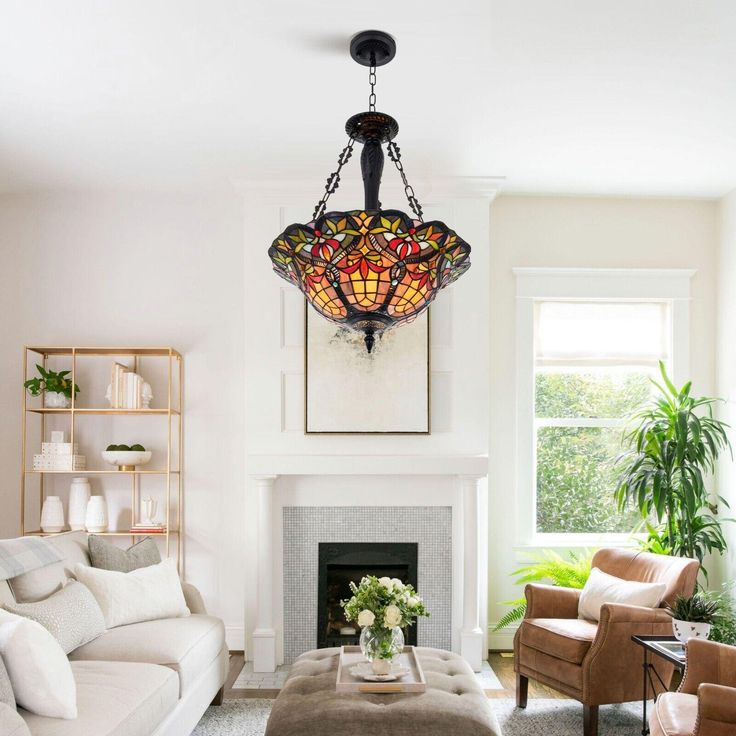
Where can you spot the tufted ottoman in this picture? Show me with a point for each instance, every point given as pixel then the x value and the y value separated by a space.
pixel 453 705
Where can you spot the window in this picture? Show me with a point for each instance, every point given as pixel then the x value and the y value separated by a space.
pixel 587 341
pixel 592 365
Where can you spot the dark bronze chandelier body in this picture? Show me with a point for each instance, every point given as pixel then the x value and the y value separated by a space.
pixel 370 269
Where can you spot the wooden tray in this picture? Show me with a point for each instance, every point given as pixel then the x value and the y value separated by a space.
pixel 413 682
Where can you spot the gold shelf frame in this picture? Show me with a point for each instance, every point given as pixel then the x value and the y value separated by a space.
pixel 171 411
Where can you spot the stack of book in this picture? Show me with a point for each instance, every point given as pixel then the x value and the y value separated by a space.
pixel 142 528
pixel 125 388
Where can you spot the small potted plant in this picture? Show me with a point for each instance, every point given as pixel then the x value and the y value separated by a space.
pixel 693 616
pixel 55 387
pixel 382 607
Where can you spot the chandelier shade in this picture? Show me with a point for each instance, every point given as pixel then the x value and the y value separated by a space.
pixel 370 269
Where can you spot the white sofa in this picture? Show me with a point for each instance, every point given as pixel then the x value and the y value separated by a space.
pixel 154 678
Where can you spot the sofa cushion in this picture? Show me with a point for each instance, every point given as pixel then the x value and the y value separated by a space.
pixel 40 584
pixel 114 699
pixel 186 645
pixel 674 714
pixel 6 689
pixel 602 588
pixel 108 556
pixel 11 723
pixel 564 638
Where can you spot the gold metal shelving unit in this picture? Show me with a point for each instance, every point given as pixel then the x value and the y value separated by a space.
pixel 173 411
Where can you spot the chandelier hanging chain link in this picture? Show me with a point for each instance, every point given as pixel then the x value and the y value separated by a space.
pixel 333 180
pixel 372 83
pixel 394 153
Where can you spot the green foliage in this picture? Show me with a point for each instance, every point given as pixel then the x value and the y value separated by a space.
pixel 675 443
pixel 575 473
pixel 697 609
pixel 383 597
pixel 724 625
pixel 50 381
pixel 547 567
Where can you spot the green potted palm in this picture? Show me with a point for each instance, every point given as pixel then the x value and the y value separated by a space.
pixel 673 447
pixel 55 387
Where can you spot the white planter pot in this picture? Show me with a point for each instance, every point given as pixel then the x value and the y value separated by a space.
pixel 79 494
pixel 96 516
pixel 52 515
pixel 56 400
pixel 685 630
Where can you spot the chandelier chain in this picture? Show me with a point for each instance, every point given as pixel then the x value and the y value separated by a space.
pixel 372 83
pixel 394 153
pixel 333 180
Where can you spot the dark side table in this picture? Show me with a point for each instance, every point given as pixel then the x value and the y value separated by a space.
pixel 664 647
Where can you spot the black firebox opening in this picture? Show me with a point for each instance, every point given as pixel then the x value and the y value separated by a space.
pixel 341 563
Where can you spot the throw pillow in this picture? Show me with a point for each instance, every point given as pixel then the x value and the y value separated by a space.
pixel 6 689
pixel 107 556
pixel 142 595
pixel 604 588
pixel 72 616
pixel 39 671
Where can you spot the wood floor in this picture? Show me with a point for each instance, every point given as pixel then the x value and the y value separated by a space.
pixel 501 665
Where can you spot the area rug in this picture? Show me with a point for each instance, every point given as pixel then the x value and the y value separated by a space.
pixel 548 717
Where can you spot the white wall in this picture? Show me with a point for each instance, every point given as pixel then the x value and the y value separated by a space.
pixel 580 232
pixel 93 269
pixel 726 358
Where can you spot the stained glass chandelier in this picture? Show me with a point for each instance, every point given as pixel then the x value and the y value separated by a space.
pixel 371 269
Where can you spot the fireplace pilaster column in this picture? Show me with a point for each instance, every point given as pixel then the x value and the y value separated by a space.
pixel 471 636
pixel 264 635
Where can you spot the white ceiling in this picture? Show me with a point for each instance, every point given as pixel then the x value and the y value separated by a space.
pixel 577 96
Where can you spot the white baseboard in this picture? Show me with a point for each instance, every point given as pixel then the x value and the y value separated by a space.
pixel 502 639
pixel 235 638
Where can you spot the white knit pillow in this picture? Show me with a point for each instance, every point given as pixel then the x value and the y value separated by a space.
pixel 39 671
pixel 141 595
pixel 604 588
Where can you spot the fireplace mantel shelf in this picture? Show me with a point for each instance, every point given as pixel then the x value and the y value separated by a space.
pixel 475 465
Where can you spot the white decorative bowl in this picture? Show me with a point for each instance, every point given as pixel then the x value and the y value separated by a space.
pixel 126 460
pixel 684 630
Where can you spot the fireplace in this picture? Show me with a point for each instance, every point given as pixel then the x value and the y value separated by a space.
pixel 343 562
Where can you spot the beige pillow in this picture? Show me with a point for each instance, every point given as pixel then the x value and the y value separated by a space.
pixel 141 595
pixel 39 671
pixel 604 588
pixel 72 615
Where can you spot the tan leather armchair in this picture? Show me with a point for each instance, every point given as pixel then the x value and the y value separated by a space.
pixel 596 663
pixel 705 703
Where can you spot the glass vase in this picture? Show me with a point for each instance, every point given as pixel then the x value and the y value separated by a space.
pixel 380 645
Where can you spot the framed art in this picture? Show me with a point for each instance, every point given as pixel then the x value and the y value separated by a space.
pixel 351 391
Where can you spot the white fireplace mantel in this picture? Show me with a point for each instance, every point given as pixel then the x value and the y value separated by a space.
pixel 468 474
pixel 367 465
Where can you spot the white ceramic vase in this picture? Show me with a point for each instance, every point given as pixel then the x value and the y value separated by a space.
pixel 685 630
pixel 79 494
pixel 96 517
pixel 56 400
pixel 52 515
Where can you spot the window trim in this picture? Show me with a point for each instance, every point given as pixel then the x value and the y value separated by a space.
pixel 588 284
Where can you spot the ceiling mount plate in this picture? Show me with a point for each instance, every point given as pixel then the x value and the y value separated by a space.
pixel 372 47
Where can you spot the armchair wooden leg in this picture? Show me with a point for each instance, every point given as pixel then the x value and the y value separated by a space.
pixel 522 690
pixel 219 697
pixel 590 720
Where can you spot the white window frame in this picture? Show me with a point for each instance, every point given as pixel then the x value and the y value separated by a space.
pixel 582 284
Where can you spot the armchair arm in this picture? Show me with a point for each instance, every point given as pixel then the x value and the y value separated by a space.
pixel 612 666
pixel 716 710
pixel 550 601
pixel 11 724
pixel 708 661
pixel 193 598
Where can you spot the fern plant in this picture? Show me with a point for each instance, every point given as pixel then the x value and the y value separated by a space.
pixel 547 567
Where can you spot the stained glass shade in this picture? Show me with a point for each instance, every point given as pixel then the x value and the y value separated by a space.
pixel 369 270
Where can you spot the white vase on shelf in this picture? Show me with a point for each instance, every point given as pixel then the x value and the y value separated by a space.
pixel 79 494
pixel 56 400
pixel 96 516
pixel 52 515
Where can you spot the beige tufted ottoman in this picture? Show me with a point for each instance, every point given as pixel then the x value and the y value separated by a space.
pixel 453 705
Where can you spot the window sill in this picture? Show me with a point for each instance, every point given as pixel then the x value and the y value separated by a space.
pixel 579 541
